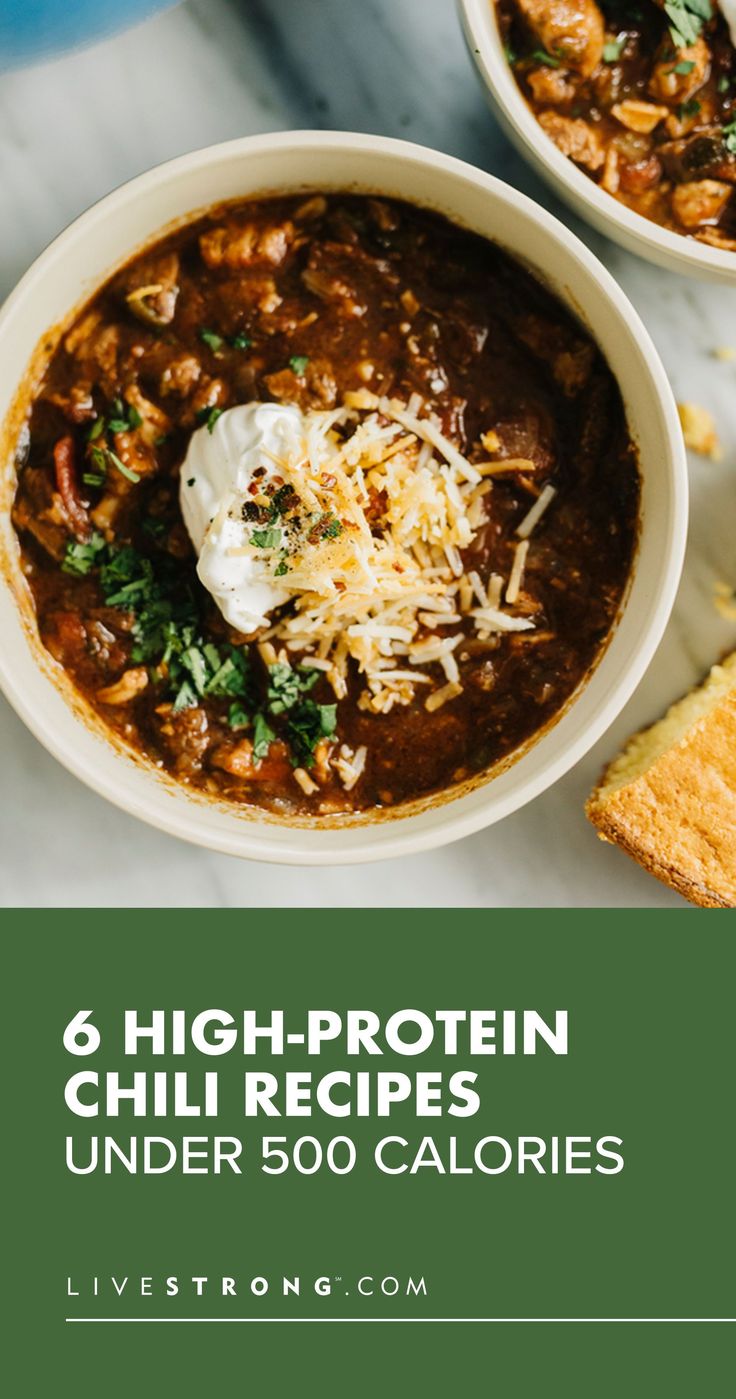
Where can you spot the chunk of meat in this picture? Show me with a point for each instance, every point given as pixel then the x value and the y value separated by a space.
pixel 76 404
pixel 528 437
pixel 154 422
pixel 124 690
pixel 211 393
pixel 247 245
pixel 315 387
pixel 65 636
pixel 37 508
pixel 639 116
pixel 186 737
pixel 702 156
pixel 65 472
pixel 668 84
pixel 237 759
pixel 552 85
pixel 327 275
pixel 96 345
pixel 576 138
pixel 640 175
pixel 180 376
pixel 572 30
pixel 569 356
pixel 150 288
pixel 700 201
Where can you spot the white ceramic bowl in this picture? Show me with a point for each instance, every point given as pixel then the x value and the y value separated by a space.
pixel 88 251
pixel 639 235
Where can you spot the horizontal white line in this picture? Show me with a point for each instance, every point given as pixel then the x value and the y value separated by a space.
pixel 410 1320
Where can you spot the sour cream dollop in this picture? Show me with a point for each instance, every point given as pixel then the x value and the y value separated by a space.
pixel 216 477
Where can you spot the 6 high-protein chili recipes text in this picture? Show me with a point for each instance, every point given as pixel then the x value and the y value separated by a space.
pixel 325 504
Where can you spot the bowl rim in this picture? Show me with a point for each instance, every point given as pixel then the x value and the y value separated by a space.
pixel 478 18
pixel 278 843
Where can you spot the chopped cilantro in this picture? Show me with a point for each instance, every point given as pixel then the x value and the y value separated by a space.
pixel 209 417
pixel 510 55
pixel 724 82
pixel 283 500
pixel 231 676
pixel 263 737
pixel 281 568
pixel 612 50
pixel 98 456
pixel 299 363
pixel 123 417
pixel 308 723
pixel 729 136
pixel 124 470
pixel 686 19
pixel 332 529
pixel 286 686
pixel 211 339
pixel 688 109
pixel 241 342
pixel 685 65
pixel 266 538
pixel 237 716
pixel 548 59
pixel 185 698
pixel 80 558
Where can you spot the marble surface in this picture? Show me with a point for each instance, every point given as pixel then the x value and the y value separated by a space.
pixel 211 69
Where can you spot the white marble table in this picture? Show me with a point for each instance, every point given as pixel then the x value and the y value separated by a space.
pixel 212 69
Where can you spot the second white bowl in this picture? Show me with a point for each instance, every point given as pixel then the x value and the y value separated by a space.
pixel 674 251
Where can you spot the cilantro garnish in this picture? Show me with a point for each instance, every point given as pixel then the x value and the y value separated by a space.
pixel 548 59
pixel 167 637
pixel 286 686
pixel 241 342
pixel 211 339
pixel 308 723
pixel 685 65
pixel 612 50
pixel 687 18
pixel 281 568
pixel 263 737
pixel 209 416
pixel 688 109
pixel 510 55
pixel 120 466
pixel 299 363
pixel 729 136
pixel 237 716
pixel 123 417
pixel 266 538
pixel 81 558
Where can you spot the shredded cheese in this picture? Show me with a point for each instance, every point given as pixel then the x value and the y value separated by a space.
pixel 533 516
pixel 373 559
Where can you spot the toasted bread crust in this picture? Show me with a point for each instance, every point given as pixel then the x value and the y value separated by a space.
pixel 678 818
